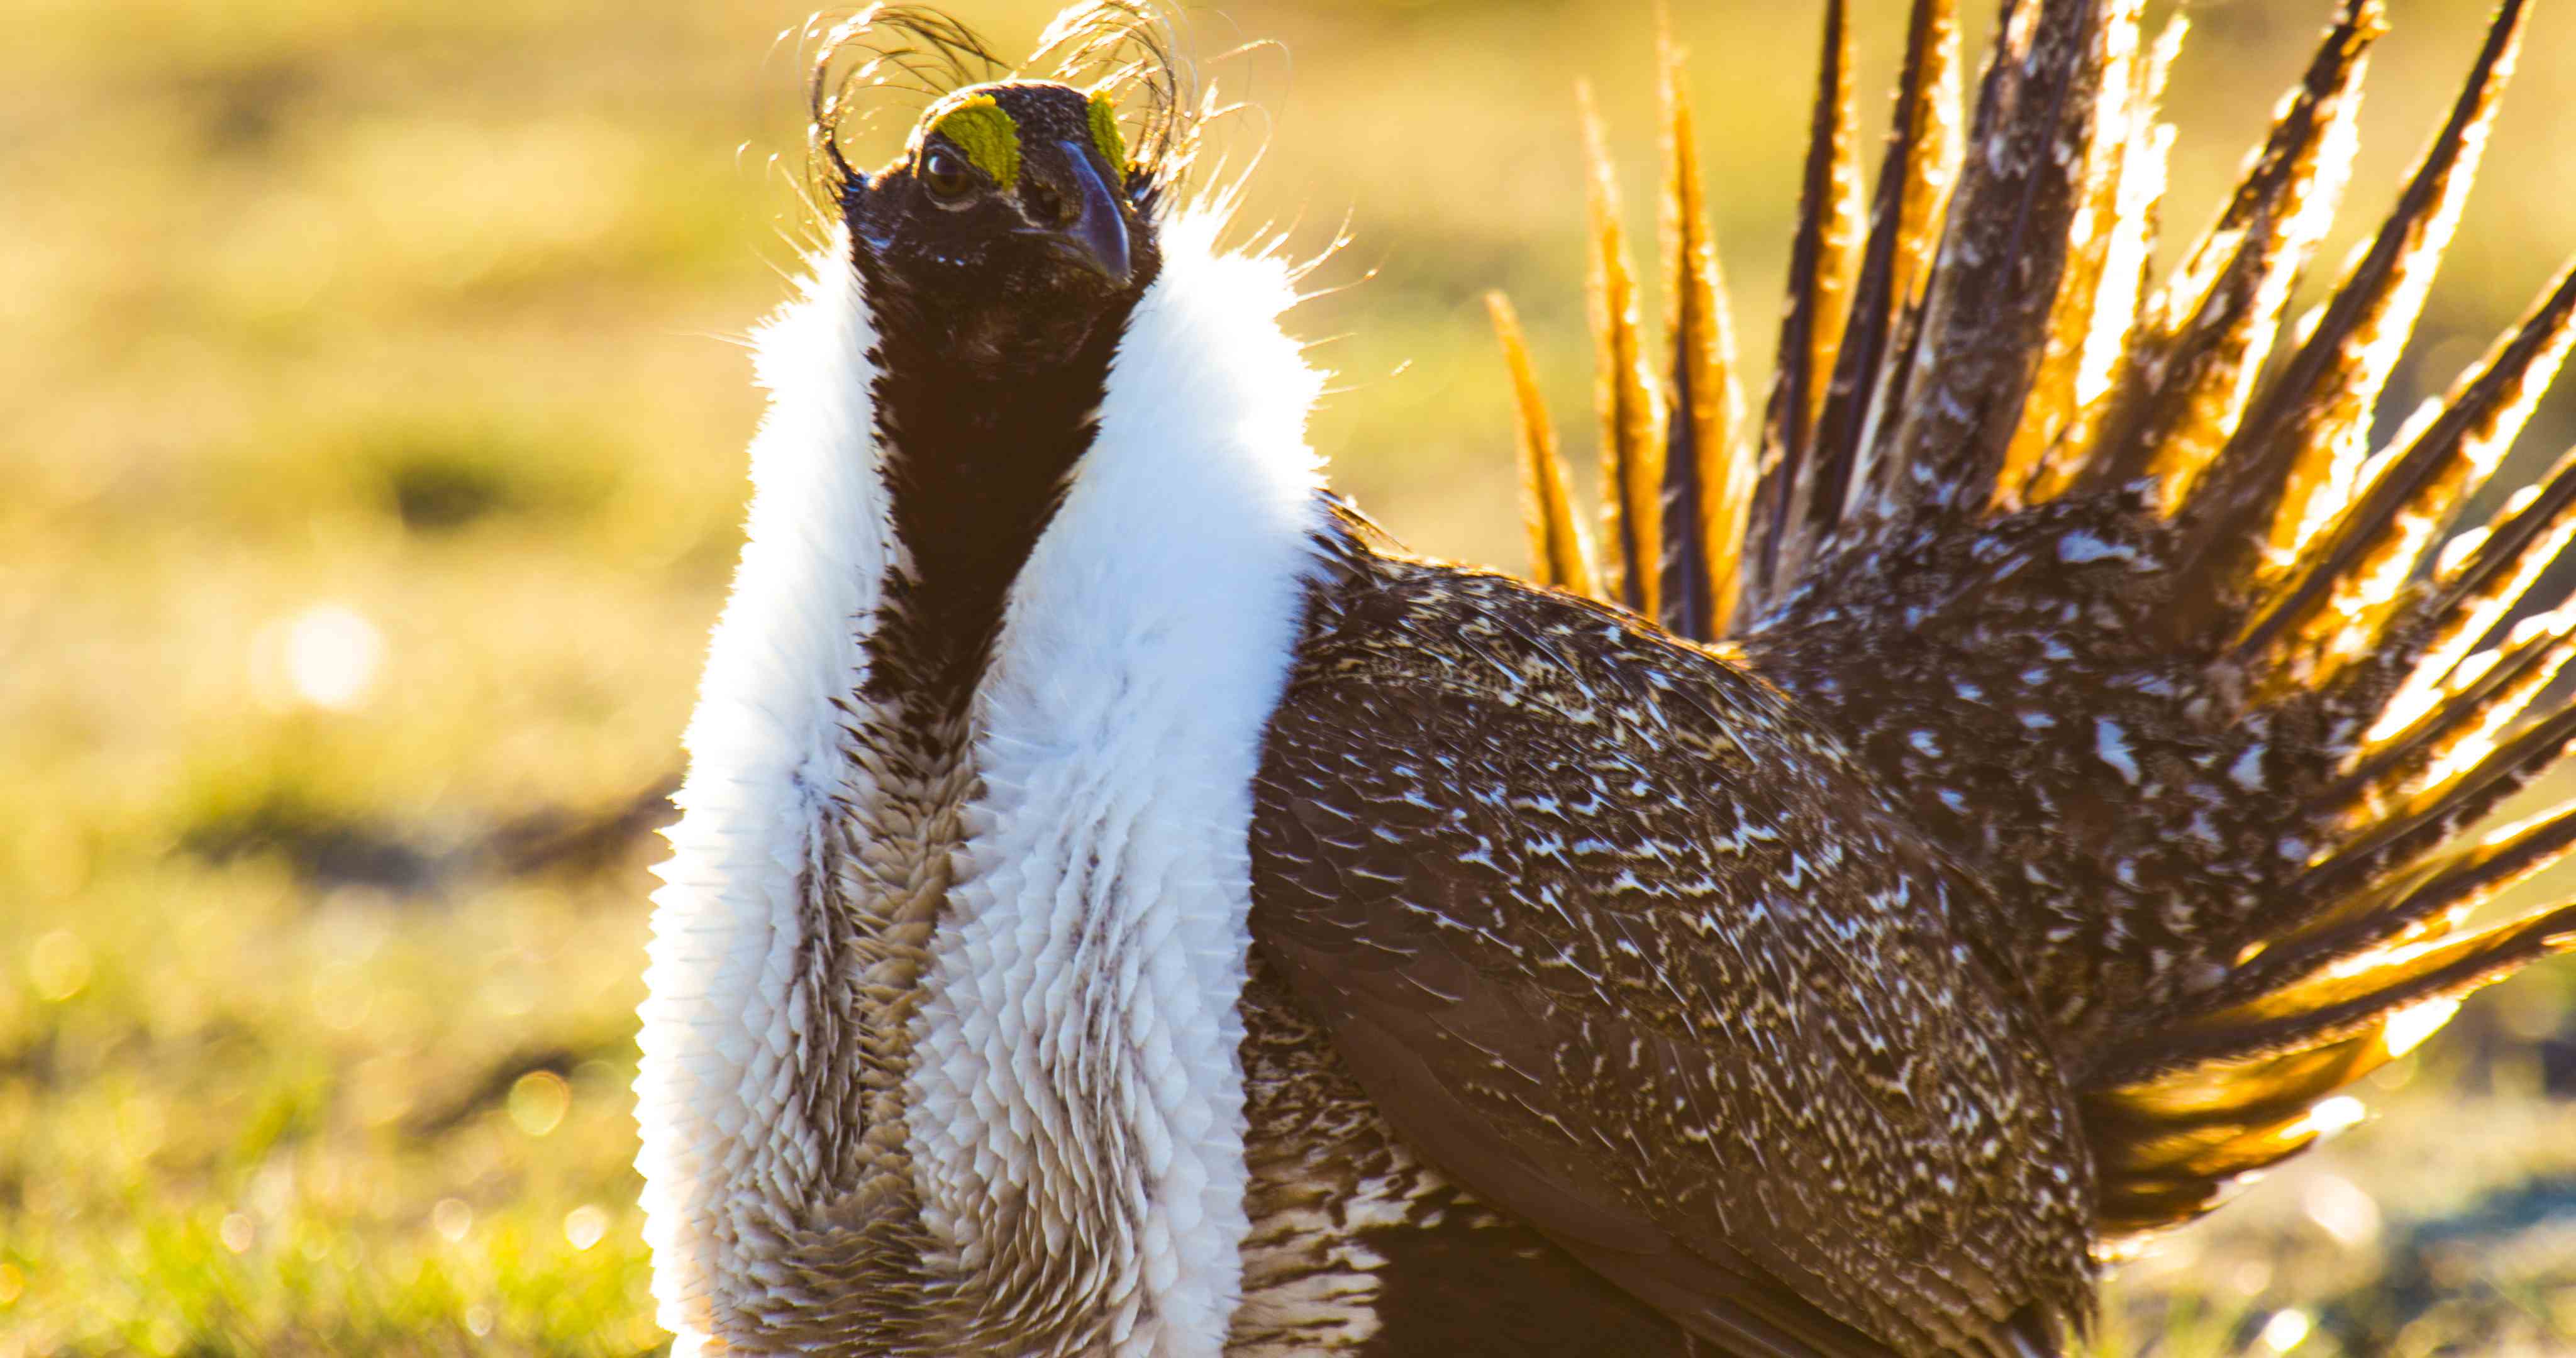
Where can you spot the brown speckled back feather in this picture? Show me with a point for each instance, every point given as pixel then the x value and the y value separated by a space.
pixel 1633 951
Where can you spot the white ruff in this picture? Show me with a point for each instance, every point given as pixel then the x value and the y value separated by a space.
pixel 1077 1085
pixel 721 1024
pixel 1075 1097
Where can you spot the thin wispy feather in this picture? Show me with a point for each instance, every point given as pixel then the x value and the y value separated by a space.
pixel 1132 52
pixel 914 51
pixel 906 56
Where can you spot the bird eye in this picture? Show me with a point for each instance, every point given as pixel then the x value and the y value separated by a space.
pixel 946 173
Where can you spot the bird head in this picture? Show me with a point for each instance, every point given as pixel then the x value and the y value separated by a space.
pixel 1011 228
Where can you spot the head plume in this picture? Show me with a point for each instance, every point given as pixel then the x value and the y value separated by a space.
pixel 1125 53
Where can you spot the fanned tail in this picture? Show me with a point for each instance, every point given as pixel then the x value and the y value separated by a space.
pixel 2300 679
pixel 2318 571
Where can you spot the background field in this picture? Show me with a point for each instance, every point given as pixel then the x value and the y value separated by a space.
pixel 371 433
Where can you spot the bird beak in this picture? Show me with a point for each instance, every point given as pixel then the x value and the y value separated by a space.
pixel 1095 235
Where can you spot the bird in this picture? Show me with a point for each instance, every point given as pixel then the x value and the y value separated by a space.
pixel 1961 820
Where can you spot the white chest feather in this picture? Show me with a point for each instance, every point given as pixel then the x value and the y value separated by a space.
pixel 730 1155
pixel 1078 1111
pixel 1040 1054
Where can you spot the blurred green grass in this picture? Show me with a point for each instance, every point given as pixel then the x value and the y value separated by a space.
pixel 373 436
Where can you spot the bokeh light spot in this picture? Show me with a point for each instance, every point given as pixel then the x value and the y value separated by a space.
pixel 538 1101
pixel 2286 1330
pixel 585 1226
pixel 326 656
pixel 59 965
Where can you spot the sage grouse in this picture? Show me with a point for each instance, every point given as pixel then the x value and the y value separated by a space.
pixel 1964 820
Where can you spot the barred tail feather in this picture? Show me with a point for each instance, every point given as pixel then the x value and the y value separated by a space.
pixel 2340 592
pixel 2478 578
pixel 2343 1004
pixel 2203 335
pixel 2169 1150
pixel 1914 183
pixel 2095 308
pixel 1823 259
pixel 2292 460
pixel 1993 289
pixel 1707 479
pixel 1630 409
pixel 2430 901
pixel 2457 727
pixel 1560 553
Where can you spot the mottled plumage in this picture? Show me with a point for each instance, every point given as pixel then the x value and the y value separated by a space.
pixel 1964 822
pixel 1622 941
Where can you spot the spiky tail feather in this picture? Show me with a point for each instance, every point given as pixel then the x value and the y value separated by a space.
pixel 2329 679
